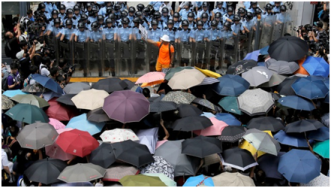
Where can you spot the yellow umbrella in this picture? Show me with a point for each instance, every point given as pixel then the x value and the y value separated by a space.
pixel 209 73
pixel 247 146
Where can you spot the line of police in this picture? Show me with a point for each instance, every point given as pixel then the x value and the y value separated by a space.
pixel 109 38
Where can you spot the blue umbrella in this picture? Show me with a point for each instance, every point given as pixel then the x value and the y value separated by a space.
pixel 296 102
pixel 12 93
pixel 194 181
pixel 320 134
pixel 81 123
pixel 316 66
pixel 264 51
pixel 310 87
pixel 48 83
pixel 327 98
pixel 49 95
pixel 253 55
pixel 296 140
pixel 299 166
pixel 269 164
pixel 231 85
pixel 207 114
pixel 228 119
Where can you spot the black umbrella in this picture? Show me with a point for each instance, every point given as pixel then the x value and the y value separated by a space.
pixel 269 164
pixel 66 99
pixel 97 115
pixel 238 158
pixel 192 123
pixel 155 99
pixel 129 83
pixel 303 126
pixel 201 146
pixel 266 123
pixel 110 85
pixel 103 156
pixel 45 171
pixel 162 106
pixel 288 48
pixel 232 133
pixel 186 110
pixel 241 66
pixel 133 153
pixel 285 88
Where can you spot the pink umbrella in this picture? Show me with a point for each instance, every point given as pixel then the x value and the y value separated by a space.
pixel 54 151
pixel 159 143
pixel 214 130
pixel 64 130
pixel 56 123
pixel 151 77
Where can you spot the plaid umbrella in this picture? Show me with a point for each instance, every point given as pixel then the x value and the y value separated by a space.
pixel 232 133
pixel 159 166
pixel 118 172
pixel 82 172
pixel 179 97
pixel 6 103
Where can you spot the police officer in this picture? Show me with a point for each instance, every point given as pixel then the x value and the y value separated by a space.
pixel 143 21
pixel 108 34
pixel 54 29
pixel 205 6
pixel 165 16
pixel 204 18
pixel 199 36
pixel 268 16
pixel 154 33
pixel 214 35
pixel 81 38
pixel 157 16
pixel 100 20
pixel 76 14
pixel 95 46
pixel 66 37
pixel 177 20
pixel 237 26
pixel 123 36
pixel 276 8
pixel 42 9
pixel 109 10
pixel 50 6
pixel 117 12
pixel 253 7
pixel 103 10
pixel 183 39
pixel 70 16
pixel 219 8
pixel 249 23
pixel 55 14
pixel 184 12
pixel 191 21
pixel 62 12
pixel 242 13
pixel 84 19
pixel 132 11
pixel 92 15
pixel 170 30
pixel 226 34
pixel 282 17
pixel 140 7
pixel 219 19
pixel 229 15
pixel 147 17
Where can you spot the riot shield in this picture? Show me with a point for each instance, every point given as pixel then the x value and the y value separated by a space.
pixel 55 42
pixel 277 31
pixel 266 34
pixel 288 23
pixel 125 68
pixel 184 54
pixel 213 51
pixel 221 54
pixel 140 65
pixel 152 55
pixel 108 56
pixel 248 45
pixel 200 58
pixel 236 41
pixel 95 68
pixel 230 51
pixel 80 57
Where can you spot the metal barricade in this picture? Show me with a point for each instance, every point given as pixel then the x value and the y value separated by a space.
pixel 56 48
pixel 152 55
pixel 66 51
pixel 95 68
pixel 230 52
pixel 221 54
pixel 214 54
pixel 140 65
pixel 185 54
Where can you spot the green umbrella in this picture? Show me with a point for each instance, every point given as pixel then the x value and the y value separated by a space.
pixel 322 149
pixel 6 103
pixel 31 99
pixel 141 180
pixel 169 182
pixel 27 113
pixel 230 104
pixel 172 71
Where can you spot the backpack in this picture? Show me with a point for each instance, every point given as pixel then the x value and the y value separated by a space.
pixel 5 82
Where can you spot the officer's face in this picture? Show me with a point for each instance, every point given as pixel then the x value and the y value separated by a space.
pixel 230 13
pixel 185 27
pixel 70 15
pixel 213 27
pixel 69 26
pixel 62 11
pixel 277 4
pixel 200 27
pixel 100 22
pixel 217 19
pixel 43 10
pixel 54 15
pixel 89 9
pixel 175 19
pixel 57 25
pixel 190 19
pixel 170 26
pixel 125 25
pixel 205 8
pixel 154 27
pixel 131 14
pixel 186 7
pixel 109 24
pixel 204 19
pixel 254 5
pixel 165 14
pixel 236 22
pixel 76 12
pixel 81 29
pixel 219 5
pixel 242 14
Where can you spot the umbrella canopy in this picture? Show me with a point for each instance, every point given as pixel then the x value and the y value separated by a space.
pixel 303 126
pixel 228 119
pixel 295 140
pixel 316 66
pixel 230 104
pixel 214 130
pixel 255 102
pixel 37 135
pixel 59 111
pixel 45 171
pixel 186 79
pixel 231 85
pixel 162 106
pixel 201 146
pixel 232 134
pixel 264 50
pixel 118 172
pixel 27 113
pixel 30 99
pixel 257 75
pixel 244 144
pixel 12 93
pixel 288 48
pixel 76 87
pixel 300 166
pixel 81 172
pixel 49 95
pixel 320 181
pixel 172 71
pixel 103 156
pixel 186 110
pixel 129 83
pixel 95 99
pixel 151 77
pixel 320 134
pixel 237 158
pixel 310 88
pixel 6 103
pixel 126 106
pixel 97 115
pixel 141 180
pixel 169 182
pixel 179 97
pixel 133 153
pixel 81 123
pixel 118 135
pixel 207 114
pixel 232 179
pixel 149 138
pixel 275 80
pixel 266 123
pixel 34 88
pixel 192 123
pixel 66 99
pixel 241 66
pixel 269 164
pixel 110 85
pixel 209 81
pixel 171 151
pixel 297 103
pixel 56 123
pixel 48 83
pixel 207 104
pixel 262 141
pixel 282 67
pixel 322 149
pixel 253 55
pixel 159 166
pixel 195 181
pixel 285 88
pixel 54 151
pixel 76 142
pixel 208 73
pixel 326 119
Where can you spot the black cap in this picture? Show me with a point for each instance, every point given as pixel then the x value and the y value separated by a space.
pixel 138 13
pixel 76 7
pixel 236 18
pixel 55 12
pixel 283 8
pixel 230 9
pixel 124 14
pixel 136 20
pixel 249 15
pixel 176 15
pixel 117 7
pixel 100 17
pixel 69 11
pixel 41 6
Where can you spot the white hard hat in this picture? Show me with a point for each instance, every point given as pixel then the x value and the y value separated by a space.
pixel 165 38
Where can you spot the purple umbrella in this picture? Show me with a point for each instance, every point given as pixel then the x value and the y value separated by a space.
pixel 126 106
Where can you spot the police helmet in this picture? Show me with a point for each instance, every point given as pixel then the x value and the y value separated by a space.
pixel 170 22
pixel 176 15
pixel 157 15
pixel 190 15
pixel 76 7
pixel 69 11
pixel 132 9
pixel 227 24
pixel 55 12
pixel 81 25
pixel 125 20
pixel 249 15
pixel 124 14
pixel 165 10
pixel 41 6
pixel 214 23
pixel 283 8
pixel 218 15
pixel 140 7
pixel 230 9
pixel 136 20
pixel 62 7
pixel 95 25
pixel 155 22
pixel 199 23
pixel 100 17
pixel 236 18
pixel 117 7
pixel 108 20
pixel 185 23
pixel 204 15
pixel 68 22
pixel 57 21
pixel 138 14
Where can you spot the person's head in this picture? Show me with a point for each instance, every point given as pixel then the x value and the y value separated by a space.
pixel 62 8
pixel 187 5
pixel 46 61
pixel 236 19
pixel 132 10
pixel 200 25
pixel 154 24
pixel 24 45
pixel 165 11
pixel 146 93
pixel 214 24
pixel 146 11
pixel 34 69
pixel 268 8
pixel 253 4
pixel 29 13
pixel 140 7
pixel 100 19
pixel 9 35
pixel 170 24
pixel 69 13
pixel 227 25
pixel 139 14
pixel 109 22
pixel 42 7
pixel 125 22
pixel 55 14
pixel 60 79
pixel 219 4
pixel 165 39
pixel 230 10
pixel 190 16
pixel 241 12
pixel 54 72
pixel 205 6
pixel 319 26
pixel 14 68
pixel 218 16
pixel 176 16
pixel 282 9
pixel 204 17
pixel 69 23
pixel 277 3
pixel 185 24
pixel 76 10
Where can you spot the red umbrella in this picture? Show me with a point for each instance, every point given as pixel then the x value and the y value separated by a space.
pixel 60 112
pixel 76 142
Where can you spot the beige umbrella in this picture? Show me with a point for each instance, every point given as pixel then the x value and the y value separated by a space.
pixel 6 103
pixel 186 79
pixel 232 179
pixel 118 135
pixel 90 99
pixel 118 172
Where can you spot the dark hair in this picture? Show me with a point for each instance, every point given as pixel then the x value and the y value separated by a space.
pixel 13 66
pixel 23 43
pixel 13 131
pixel 29 11
pixel 33 69
pixel 46 60
pixel 37 60
pixel 146 92
pixel 53 71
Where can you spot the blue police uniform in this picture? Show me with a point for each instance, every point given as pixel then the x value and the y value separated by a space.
pixel 206 25
pixel 67 32
pixel 226 16
pixel 276 9
pixel 77 19
pixel 156 5
pixel 268 18
pixel 102 11
pixel 96 35
pixel 62 16
pixel 124 33
pixel 165 20
pixel 191 25
pixel 201 12
pixel 237 27
pixel 282 17
pixel 92 19
pixel 249 24
pixel 53 29
pixel 155 35
pixel 199 35
pixel 213 34
pixel 131 20
pixel 135 31
pixel 171 33
pixel 82 35
pixel 247 4
pixel 221 10
pixel 50 7
pixel 109 33
pixel 183 13
pixel 177 24
pixel 183 35
pixel 226 34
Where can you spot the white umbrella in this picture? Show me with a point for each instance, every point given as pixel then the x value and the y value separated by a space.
pixel 148 137
pixel 118 135
pixel 257 76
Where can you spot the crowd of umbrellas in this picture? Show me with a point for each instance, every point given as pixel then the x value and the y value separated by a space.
pixel 77 122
